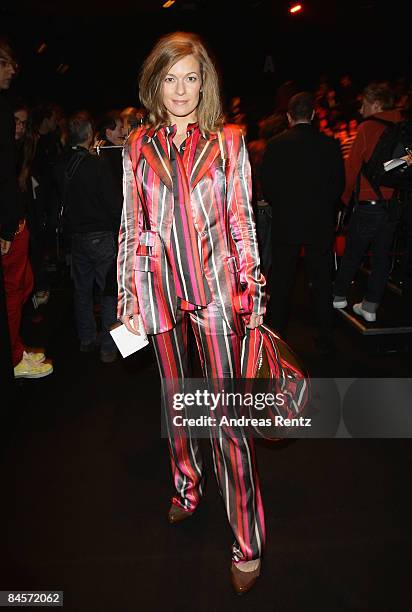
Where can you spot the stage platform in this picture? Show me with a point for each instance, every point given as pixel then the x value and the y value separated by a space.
pixel 392 329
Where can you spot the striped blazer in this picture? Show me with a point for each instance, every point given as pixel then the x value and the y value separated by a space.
pixel 220 196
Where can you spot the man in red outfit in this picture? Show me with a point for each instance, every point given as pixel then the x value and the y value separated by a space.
pixel 14 237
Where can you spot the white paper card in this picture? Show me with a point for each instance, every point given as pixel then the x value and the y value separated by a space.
pixel 129 343
pixel 394 163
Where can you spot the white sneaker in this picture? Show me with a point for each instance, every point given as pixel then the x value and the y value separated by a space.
pixel 34 357
pixel 368 316
pixel 340 302
pixel 32 369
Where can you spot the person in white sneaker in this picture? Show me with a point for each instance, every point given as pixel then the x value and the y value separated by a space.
pixel 375 217
pixel 8 195
pixel 14 239
pixel 33 365
pixel 360 310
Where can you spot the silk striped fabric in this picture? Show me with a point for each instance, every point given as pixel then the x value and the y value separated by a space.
pixel 233 453
pixel 191 284
pixel 219 182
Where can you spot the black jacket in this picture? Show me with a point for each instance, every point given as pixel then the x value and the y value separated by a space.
pixel 48 153
pixel 113 163
pixel 302 177
pixel 88 192
pixel 11 209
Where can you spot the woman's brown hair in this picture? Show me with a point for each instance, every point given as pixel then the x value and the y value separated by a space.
pixel 168 50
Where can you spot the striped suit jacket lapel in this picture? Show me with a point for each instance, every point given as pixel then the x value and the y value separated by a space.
pixel 206 152
pixel 154 150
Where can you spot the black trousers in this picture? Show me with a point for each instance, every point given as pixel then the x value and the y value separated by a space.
pixel 374 226
pixel 319 264
pixel 407 278
pixel 92 256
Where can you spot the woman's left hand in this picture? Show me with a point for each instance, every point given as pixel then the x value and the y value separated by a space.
pixel 254 321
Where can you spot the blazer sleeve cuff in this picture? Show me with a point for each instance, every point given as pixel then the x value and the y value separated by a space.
pixel 129 309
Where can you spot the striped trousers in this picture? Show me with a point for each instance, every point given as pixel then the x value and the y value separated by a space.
pixel 233 456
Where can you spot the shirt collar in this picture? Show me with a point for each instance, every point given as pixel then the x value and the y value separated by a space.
pixel 171 129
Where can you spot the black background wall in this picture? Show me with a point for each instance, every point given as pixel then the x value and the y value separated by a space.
pixel 258 45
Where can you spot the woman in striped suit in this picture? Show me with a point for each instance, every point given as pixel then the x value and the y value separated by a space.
pixel 187 245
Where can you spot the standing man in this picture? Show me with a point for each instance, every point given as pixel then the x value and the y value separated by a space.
pixel 14 240
pixel 111 138
pixel 407 197
pixel 9 217
pixel 302 178
pixel 110 142
pixel 375 216
pixel 92 218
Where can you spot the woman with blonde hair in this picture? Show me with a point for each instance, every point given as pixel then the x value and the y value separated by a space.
pixel 188 255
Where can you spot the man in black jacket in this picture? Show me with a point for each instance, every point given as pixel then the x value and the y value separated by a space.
pixel 110 142
pixel 91 207
pixel 302 178
pixel 110 150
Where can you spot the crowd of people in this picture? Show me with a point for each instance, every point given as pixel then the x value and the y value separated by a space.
pixel 69 193
pixel 300 183
pixel 56 201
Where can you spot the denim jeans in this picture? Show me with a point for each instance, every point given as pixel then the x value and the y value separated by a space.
pixel 407 272
pixel 372 225
pixel 92 256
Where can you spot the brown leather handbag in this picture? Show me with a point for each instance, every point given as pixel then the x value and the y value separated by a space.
pixel 269 360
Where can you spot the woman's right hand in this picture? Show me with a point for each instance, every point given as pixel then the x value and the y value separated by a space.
pixel 131 323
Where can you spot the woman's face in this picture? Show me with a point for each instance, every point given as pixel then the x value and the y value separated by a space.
pixel 20 117
pixel 181 89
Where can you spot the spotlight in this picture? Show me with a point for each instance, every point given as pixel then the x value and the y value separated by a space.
pixel 62 68
pixel 295 8
pixel 168 4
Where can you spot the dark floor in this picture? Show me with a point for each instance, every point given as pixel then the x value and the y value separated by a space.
pixel 86 488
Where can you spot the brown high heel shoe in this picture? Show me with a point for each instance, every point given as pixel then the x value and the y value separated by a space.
pixel 177 514
pixel 243 581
